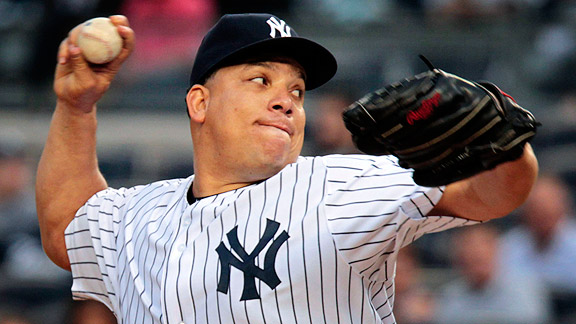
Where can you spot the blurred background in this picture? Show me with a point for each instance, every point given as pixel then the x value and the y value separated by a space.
pixel 521 269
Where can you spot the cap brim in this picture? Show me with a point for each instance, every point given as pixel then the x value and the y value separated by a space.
pixel 318 63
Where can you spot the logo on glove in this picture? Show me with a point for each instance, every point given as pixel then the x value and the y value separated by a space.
pixel 424 111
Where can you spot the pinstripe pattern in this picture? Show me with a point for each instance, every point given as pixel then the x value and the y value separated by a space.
pixel 151 257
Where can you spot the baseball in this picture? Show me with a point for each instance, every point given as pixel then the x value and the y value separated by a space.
pixel 99 40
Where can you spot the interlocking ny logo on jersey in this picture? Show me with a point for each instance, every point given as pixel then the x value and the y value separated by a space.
pixel 246 262
pixel 280 26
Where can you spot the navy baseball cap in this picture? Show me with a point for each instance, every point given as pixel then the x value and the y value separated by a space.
pixel 237 37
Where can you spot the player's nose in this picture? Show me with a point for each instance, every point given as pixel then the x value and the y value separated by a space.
pixel 282 101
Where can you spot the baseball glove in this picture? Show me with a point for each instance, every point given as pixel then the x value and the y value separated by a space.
pixel 444 127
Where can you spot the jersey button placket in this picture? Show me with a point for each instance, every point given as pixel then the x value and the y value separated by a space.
pixel 187 221
pixel 185 225
pixel 179 246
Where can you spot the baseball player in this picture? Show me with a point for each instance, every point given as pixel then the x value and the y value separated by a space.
pixel 259 234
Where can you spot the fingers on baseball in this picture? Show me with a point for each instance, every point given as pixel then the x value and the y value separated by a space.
pixel 78 64
pixel 119 20
pixel 73 34
pixel 63 52
pixel 127 35
pixel 69 52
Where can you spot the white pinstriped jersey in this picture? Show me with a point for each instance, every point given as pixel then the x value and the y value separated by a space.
pixel 316 243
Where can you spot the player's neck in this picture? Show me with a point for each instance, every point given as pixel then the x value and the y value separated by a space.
pixel 213 177
pixel 202 188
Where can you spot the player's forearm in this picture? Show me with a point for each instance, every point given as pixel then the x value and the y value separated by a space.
pixel 491 194
pixel 67 177
pixel 498 192
pixel 509 185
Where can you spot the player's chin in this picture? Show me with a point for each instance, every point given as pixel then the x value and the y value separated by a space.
pixel 278 154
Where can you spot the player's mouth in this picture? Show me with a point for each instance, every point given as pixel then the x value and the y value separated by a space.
pixel 279 125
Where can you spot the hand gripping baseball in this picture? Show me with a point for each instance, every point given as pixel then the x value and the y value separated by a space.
pixel 81 84
pixel 444 127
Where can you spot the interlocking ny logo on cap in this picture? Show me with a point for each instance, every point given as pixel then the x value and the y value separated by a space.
pixel 280 26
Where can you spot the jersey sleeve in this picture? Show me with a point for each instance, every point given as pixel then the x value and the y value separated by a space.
pixel 91 245
pixel 374 208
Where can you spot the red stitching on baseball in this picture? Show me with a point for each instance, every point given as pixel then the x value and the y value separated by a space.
pixel 104 42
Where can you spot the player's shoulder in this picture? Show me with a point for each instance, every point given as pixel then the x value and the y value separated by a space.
pixel 360 159
pixel 346 168
pixel 353 161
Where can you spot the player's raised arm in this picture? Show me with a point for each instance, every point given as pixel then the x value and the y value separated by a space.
pixel 68 173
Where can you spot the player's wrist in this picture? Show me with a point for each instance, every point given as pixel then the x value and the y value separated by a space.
pixel 75 107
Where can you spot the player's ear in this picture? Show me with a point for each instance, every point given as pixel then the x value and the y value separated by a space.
pixel 197 100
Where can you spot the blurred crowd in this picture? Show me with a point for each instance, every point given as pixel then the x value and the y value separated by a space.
pixel 500 273
pixel 520 269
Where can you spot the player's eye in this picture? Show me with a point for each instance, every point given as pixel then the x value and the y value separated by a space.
pixel 260 80
pixel 297 93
